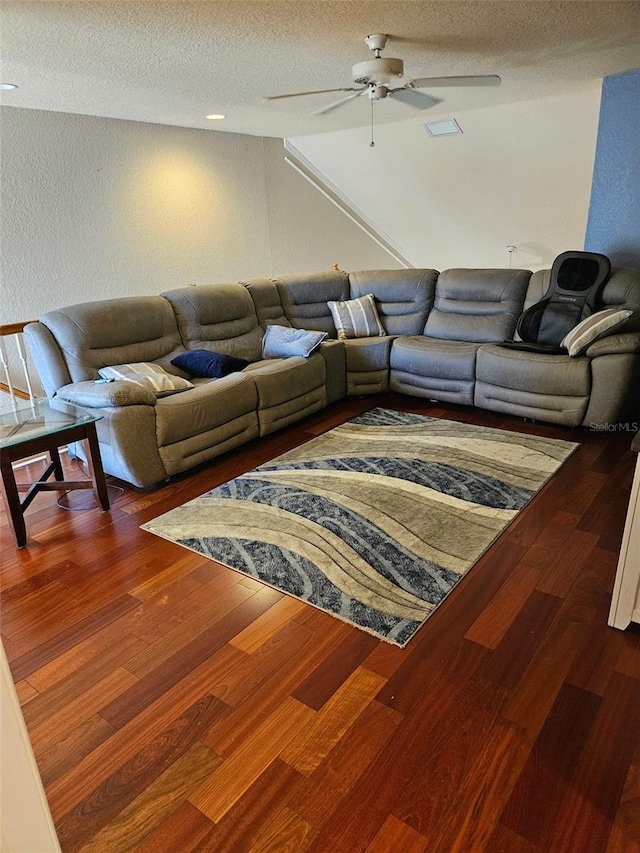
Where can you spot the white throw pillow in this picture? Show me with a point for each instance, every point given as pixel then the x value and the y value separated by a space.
pixel 147 374
pixel 596 326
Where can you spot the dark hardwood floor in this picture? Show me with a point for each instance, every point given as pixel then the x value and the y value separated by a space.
pixel 175 705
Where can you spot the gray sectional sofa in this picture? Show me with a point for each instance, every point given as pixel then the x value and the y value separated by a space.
pixel 443 332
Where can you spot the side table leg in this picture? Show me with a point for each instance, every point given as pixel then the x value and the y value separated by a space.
pixel 94 463
pixel 12 501
pixel 54 453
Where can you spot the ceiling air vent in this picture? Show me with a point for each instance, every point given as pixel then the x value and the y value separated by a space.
pixel 443 128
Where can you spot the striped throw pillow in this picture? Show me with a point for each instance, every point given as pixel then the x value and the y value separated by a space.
pixel 147 375
pixel 592 328
pixel 356 318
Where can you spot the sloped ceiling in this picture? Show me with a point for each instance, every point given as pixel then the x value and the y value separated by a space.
pixel 174 62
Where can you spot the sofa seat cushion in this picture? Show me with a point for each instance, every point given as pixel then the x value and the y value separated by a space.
pixel 208 404
pixel 432 357
pixel 288 389
pixel 365 354
pixel 279 379
pixel 433 368
pixel 547 374
pixel 367 363
pixel 198 425
pixel 553 388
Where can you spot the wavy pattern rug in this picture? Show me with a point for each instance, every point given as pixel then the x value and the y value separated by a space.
pixel 375 521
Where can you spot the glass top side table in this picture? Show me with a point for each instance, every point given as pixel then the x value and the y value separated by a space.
pixel 39 426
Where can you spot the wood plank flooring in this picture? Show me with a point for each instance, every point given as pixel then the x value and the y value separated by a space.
pixel 175 705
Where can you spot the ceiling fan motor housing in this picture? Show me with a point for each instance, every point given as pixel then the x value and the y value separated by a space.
pixel 377 70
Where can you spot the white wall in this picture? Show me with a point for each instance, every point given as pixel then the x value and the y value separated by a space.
pixel 25 820
pixel 306 229
pixel 519 174
pixel 94 208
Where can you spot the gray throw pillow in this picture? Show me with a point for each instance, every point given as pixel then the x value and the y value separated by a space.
pixel 283 342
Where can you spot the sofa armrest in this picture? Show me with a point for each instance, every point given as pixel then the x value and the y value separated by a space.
pixel 108 394
pixel 47 357
pixel 615 345
pixel 615 378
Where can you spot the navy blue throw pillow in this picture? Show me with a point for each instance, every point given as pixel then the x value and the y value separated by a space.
pixel 208 365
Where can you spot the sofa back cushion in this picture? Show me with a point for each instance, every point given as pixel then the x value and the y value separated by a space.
pixel 536 289
pixel 219 318
pixel 304 298
pixel 266 301
pixel 114 331
pixel 403 297
pixel 478 306
pixel 622 290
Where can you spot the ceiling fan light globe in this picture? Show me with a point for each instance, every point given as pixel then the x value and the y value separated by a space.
pixel 377 93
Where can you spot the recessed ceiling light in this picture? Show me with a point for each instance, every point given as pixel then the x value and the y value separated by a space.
pixel 216 116
pixel 5 86
pixel 443 128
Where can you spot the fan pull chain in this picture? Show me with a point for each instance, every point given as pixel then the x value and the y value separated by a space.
pixel 372 143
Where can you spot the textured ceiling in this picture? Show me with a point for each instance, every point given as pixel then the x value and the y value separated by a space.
pixel 174 62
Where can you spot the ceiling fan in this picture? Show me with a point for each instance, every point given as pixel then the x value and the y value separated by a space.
pixel 375 77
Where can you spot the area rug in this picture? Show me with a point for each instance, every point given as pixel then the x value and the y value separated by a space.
pixel 376 520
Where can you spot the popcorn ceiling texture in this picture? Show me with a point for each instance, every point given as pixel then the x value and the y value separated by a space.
pixel 175 62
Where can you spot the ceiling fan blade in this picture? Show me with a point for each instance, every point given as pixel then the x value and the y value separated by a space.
pixel 414 98
pixel 472 80
pixel 337 103
pixel 314 92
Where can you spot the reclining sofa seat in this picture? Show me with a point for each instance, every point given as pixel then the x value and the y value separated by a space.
pixel 471 308
pixel 143 440
pixel 222 318
pixel 442 342
pixel 403 300
pixel 298 301
pixel 597 388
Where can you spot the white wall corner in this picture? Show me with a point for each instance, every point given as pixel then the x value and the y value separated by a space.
pixel 304 167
